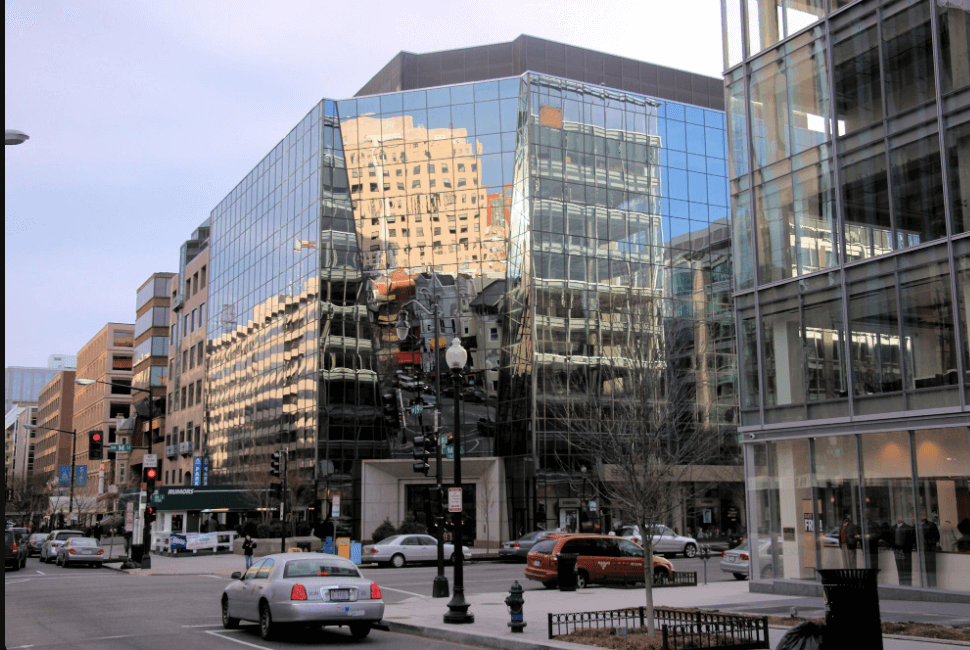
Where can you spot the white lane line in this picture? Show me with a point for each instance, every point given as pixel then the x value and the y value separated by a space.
pixel 42 573
pixel 205 625
pixel 222 635
pixel 401 591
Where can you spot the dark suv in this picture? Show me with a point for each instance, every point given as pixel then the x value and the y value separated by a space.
pixel 12 558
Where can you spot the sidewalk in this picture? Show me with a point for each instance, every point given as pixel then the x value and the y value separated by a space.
pixel 422 615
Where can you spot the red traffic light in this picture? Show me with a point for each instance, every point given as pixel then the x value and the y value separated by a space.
pixel 96 437
pixel 150 473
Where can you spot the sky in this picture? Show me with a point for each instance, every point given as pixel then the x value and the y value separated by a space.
pixel 142 116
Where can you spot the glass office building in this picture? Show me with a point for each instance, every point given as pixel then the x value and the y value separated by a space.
pixel 849 132
pixel 542 221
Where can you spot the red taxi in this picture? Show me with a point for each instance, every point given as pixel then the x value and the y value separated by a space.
pixel 602 559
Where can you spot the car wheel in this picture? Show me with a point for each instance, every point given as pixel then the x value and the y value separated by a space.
pixel 550 584
pixel 228 622
pixel 582 580
pixel 398 561
pixel 766 572
pixel 266 627
pixel 359 630
pixel 690 550
pixel 740 576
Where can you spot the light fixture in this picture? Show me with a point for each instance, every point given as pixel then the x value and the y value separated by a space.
pixel 456 356
pixel 402 328
pixel 14 137
pixel 85 382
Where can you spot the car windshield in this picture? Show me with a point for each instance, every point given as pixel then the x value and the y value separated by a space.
pixel 83 541
pixel 386 541
pixel 528 537
pixel 38 537
pixel 315 568
pixel 627 532
pixel 743 546
pixel 545 546
pixel 63 536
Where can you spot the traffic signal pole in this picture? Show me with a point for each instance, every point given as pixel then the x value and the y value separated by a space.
pixel 70 503
pixel 284 460
pixel 439 588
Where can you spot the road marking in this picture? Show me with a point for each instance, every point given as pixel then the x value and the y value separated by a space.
pixel 205 625
pixel 42 573
pixel 401 591
pixel 222 635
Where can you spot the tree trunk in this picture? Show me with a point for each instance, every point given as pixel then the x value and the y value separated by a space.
pixel 648 582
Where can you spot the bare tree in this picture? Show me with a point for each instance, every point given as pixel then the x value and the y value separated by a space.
pixel 29 495
pixel 630 410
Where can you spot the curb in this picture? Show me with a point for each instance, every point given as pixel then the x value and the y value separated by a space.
pixel 781 631
pixel 473 638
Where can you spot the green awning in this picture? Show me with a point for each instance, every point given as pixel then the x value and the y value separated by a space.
pixel 221 497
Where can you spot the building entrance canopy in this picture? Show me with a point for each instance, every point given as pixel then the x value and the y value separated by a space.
pixel 223 497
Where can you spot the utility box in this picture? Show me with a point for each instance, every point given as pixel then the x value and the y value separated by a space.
pixel 343 547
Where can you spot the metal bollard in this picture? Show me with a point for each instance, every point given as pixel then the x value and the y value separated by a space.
pixel 515 601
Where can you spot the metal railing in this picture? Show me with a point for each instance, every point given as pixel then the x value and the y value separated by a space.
pixel 679 629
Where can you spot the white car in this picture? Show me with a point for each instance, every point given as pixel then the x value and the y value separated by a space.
pixel 665 540
pixel 48 551
pixel 399 550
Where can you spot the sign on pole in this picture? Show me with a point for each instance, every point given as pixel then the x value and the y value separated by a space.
pixel 129 517
pixel 63 476
pixel 454 499
pixel 149 461
pixel 119 447
pixel 197 471
pixel 336 506
pixel 417 409
pixel 81 476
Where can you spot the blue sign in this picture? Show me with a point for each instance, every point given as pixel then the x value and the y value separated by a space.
pixel 64 476
pixel 355 549
pixel 197 471
pixel 205 471
pixel 81 476
pixel 178 542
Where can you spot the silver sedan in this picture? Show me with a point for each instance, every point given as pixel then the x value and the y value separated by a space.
pixel 313 589
pixel 665 540
pixel 399 550
pixel 80 550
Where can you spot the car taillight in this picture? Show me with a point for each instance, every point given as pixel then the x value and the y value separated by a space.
pixel 745 557
pixel 374 550
pixel 723 553
pixel 298 593
pixel 71 551
pixel 516 545
pixel 100 551
pixel 375 591
pixel 15 547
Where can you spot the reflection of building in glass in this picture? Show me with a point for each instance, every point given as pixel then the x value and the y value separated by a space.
pixel 539 220
pixel 852 281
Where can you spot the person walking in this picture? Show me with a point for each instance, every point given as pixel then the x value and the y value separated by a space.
pixel 849 538
pixel 248 546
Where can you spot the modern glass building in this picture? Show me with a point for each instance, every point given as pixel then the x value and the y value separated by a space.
pixel 542 203
pixel 849 134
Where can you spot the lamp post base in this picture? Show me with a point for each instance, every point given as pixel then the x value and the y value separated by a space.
pixel 440 587
pixel 458 609
pixel 146 561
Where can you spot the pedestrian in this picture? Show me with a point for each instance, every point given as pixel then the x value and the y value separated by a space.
pixel 248 546
pixel 128 543
pixel 98 530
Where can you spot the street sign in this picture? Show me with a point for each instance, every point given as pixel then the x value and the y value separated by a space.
pixel 336 505
pixel 63 476
pixel 450 451
pixel 117 448
pixel 442 441
pixel 129 517
pixel 158 497
pixel 149 460
pixel 417 409
pixel 454 499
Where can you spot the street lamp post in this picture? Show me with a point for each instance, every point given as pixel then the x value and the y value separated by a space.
pixel 458 613
pixel 70 503
pixel 146 540
pixel 439 587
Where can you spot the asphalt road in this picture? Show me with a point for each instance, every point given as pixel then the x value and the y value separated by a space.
pixel 46 606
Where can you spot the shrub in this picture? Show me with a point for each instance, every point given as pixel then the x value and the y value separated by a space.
pixel 410 526
pixel 385 530
pixel 263 531
pixel 303 529
pixel 249 527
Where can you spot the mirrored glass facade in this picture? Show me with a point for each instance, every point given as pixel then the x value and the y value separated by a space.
pixel 848 148
pixel 541 221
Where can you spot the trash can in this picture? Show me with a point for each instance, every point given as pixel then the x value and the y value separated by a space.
pixel 852 607
pixel 137 550
pixel 566 563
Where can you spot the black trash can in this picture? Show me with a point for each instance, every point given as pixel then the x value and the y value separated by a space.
pixel 137 550
pixel 566 563
pixel 852 607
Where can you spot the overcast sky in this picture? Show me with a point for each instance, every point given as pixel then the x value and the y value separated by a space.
pixel 142 116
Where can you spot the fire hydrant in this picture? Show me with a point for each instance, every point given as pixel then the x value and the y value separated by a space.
pixel 515 603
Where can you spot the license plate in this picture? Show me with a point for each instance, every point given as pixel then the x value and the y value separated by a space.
pixel 536 563
pixel 339 594
pixel 87 552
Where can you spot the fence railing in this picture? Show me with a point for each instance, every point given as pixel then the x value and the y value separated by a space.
pixel 679 579
pixel 679 629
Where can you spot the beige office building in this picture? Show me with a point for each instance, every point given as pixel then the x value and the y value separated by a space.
pixel 55 415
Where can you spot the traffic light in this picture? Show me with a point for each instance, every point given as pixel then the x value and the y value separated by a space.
pixel 276 492
pixel 95 445
pixel 150 475
pixel 274 464
pixel 150 514
pixel 423 447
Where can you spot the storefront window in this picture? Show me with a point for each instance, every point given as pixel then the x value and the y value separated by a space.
pixel 889 508
pixel 943 488
pixel 840 514
pixel 787 526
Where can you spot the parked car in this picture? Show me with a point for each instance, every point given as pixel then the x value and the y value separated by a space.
pixel 518 549
pixel 737 561
pixel 48 552
pixel 602 559
pixel 302 588
pixel 80 550
pixel 399 550
pixel 34 542
pixel 12 557
pixel 665 540
pixel 474 395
